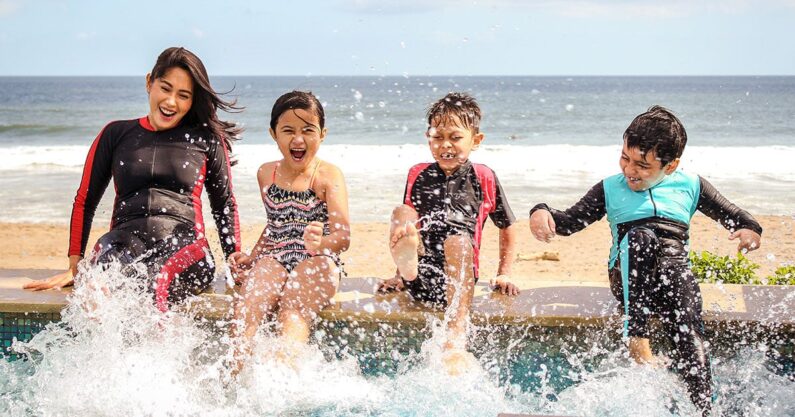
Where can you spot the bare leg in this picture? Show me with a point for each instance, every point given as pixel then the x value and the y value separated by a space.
pixel 640 350
pixel 259 295
pixel 305 294
pixel 459 269
pixel 404 241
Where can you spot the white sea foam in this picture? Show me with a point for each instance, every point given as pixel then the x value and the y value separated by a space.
pixel 38 183
pixel 534 162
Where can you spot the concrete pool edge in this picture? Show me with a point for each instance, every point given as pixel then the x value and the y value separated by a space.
pixel 543 303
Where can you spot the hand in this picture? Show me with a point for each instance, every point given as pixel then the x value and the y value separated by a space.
pixel 542 225
pixel 504 285
pixel 749 240
pixel 394 284
pixel 239 262
pixel 58 281
pixel 313 235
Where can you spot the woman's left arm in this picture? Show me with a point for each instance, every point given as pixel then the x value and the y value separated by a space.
pixel 222 199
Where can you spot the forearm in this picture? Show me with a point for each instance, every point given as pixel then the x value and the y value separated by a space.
pixel 73 261
pixel 227 224
pixel 507 250
pixel 719 208
pixel 589 209
pixel 336 242
pixel 262 244
pixel 222 199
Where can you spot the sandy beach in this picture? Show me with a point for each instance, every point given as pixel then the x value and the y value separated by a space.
pixel 582 256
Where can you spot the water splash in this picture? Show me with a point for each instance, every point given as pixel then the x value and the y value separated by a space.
pixel 113 353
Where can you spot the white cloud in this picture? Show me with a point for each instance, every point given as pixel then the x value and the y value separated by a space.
pixel 198 33
pixel 7 7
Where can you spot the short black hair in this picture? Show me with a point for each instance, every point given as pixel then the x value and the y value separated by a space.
pixel 657 130
pixel 295 100
pixel 456 105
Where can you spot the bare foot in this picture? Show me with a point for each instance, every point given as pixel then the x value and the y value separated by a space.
pixel 394 284
pixel 403 244
pixel 458 361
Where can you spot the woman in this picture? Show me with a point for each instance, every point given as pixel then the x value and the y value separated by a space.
pixel 159 164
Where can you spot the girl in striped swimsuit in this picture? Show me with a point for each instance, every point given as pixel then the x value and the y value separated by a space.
pixel 294 268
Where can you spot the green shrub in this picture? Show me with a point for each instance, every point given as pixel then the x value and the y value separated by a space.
pixel 784 275
pixel 709 267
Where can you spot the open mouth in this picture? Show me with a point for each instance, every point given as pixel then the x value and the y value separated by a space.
pixel 297 154
pixel 167 113
pixel 633 180
pixel 447 156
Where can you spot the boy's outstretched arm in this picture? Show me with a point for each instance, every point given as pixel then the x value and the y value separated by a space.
pixel 739 222
pixel 589 209
pixel 502 282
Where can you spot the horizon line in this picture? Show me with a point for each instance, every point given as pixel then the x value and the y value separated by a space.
pixel 416 75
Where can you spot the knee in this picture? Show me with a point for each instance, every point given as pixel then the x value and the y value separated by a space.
pixel 457 247
pixel 404 212
pixel 316 267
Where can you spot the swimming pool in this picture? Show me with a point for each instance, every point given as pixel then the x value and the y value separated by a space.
pixel 124 358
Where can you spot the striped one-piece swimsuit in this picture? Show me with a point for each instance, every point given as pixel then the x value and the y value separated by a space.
pixel 289 212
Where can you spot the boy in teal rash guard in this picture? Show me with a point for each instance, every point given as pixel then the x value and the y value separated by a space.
pixel 649 206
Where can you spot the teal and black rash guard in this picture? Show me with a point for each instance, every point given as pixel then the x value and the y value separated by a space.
pixel 666 208
pixel 649 269
pixel 157 213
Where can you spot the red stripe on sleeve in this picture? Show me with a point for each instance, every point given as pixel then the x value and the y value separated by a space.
pixel 78 208
pixel 196 196
pixel 235 217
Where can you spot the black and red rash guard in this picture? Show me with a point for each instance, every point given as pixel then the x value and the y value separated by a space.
pixel 158 177
pixel 456 204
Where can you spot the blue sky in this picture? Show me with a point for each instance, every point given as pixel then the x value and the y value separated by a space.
pixel 393 37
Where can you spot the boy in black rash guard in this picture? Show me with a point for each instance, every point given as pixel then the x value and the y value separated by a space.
pixel 159 165
pixel 649 207
pixel 450 200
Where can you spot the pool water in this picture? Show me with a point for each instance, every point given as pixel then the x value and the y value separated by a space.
pixel 122 357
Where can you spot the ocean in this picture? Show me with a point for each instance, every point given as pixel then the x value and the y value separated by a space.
pixel 549 139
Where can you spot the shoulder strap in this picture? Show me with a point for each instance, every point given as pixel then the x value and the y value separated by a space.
pixel 488 185
pixel 414 172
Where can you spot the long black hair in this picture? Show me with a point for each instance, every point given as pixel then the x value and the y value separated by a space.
pixel 206 101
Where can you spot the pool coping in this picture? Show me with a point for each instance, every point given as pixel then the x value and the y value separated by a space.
pixel 542 303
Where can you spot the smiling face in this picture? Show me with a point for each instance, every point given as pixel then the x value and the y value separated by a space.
pixel 451 143
pixel 298 135
pixel 643 171
pixel 170 98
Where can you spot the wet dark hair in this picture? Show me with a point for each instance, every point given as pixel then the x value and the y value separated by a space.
pixel 453 106
pixel 657 130
pixel 206 101
pixel 294 100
